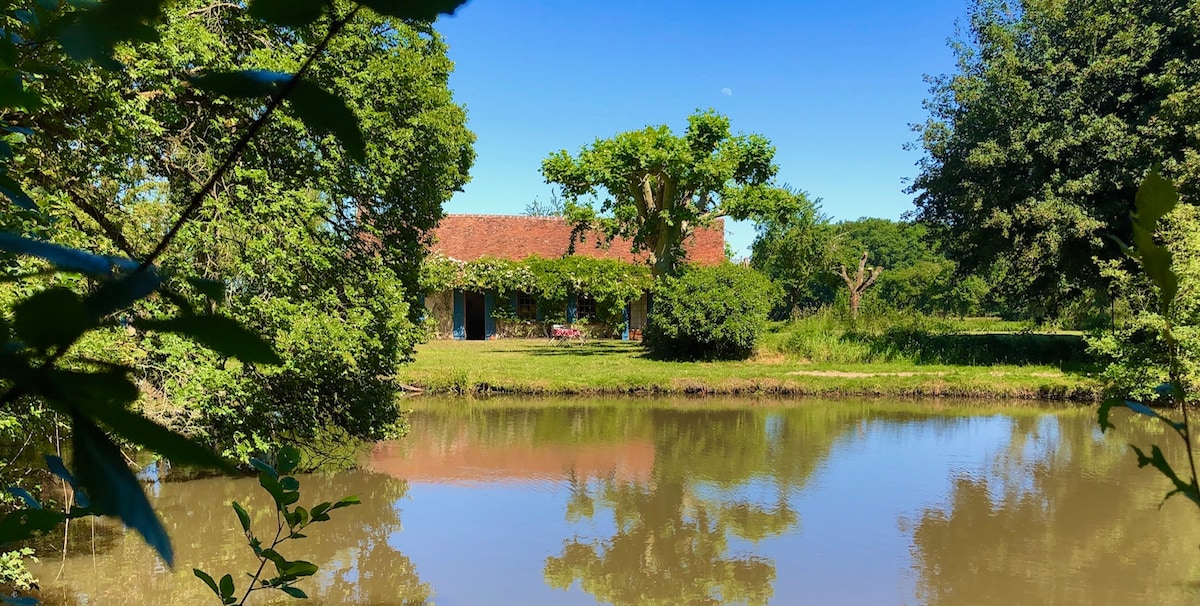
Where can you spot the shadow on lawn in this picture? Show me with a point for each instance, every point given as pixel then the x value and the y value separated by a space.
pixel 586 348
pixel 1068 352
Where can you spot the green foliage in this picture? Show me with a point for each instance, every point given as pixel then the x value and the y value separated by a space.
pixel 14 575
pixel 709 312
pixel 910 338
pixel 656 187
pixel 1157 198
pixel 803 254
pixel 611 283
pixel 1133 348
pixel 797 253
pixel 139 206
pixel 291 522
pixel 1036 145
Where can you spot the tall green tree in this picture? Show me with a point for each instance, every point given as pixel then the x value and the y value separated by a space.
pixel 655 187
pixel 1035 146
pixel 796 252
pixel 317 240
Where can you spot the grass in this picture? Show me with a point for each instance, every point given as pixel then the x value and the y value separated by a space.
pixel 827 338
pixel 615 367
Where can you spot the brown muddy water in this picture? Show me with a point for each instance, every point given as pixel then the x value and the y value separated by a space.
pixel 698 502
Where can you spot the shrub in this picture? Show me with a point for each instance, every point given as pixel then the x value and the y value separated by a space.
pixel 709 312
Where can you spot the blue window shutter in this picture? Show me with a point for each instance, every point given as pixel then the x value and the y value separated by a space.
pixel 460 314
pixel 625 333
pixel 489 323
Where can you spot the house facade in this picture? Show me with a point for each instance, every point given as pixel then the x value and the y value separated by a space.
pixel 476 315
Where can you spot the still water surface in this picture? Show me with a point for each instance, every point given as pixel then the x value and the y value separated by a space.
pixel 699 502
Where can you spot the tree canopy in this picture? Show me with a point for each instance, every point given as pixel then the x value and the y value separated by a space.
pixel 1034 148
pixel 316 237
pixel 655 187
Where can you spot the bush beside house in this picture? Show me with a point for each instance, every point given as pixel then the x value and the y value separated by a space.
pixel 715 312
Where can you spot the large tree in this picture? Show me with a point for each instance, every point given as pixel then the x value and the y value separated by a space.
pixel 319 247
pixel 655 187
pixel 1035 147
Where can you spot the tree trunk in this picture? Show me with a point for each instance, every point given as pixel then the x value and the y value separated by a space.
pixel 863 279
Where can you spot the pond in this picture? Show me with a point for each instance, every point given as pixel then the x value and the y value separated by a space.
pixel 713 501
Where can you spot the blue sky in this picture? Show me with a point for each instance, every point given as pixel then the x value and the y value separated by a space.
pixel 834 85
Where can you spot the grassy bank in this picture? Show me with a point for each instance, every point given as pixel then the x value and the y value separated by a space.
pixel 614 367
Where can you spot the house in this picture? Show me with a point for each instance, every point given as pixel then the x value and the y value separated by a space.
pixel 465 314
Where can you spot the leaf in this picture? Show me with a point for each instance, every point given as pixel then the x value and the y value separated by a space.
pixel 24 495
pixel 271 485
pixel 320 509
pixel 208 580
pixel 72 389
pixel 264 468
pixel 346 502
pixel 144 432
pixel 250 83
pixel 93 32
pixel 243 517
pixel 320 109
pixel 1155 198
pixel 55 466
pixel 114 490
pixel 303 516
pixel 13 191
pixel 416 10
pixel 1159 462
pixel 227 586
pixel 278 560
pixel 65 257
pixel 289 483
pixel 291 13
pixel 221 334
pixel 294 592
pixel 114 295
pixel 25 524
pixel 212 289
pixel 288 459
pixel 51 318
pixel 18 601
pixel 1104 411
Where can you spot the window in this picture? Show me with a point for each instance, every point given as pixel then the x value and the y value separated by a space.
pixel 526 306
pixel 586 308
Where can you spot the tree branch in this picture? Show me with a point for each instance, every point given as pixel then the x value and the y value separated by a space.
pixel 276 100
pixel 109 228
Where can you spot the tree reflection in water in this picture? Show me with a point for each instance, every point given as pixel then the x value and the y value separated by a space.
pixel 673 530
pixel 1060 494
pixel 359 562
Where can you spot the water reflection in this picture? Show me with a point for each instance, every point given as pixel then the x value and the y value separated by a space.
pixel 701 502
pixel 671 540
pixel 1061 517
pixel 357 552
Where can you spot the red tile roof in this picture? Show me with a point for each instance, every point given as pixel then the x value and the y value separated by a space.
pixel 469 237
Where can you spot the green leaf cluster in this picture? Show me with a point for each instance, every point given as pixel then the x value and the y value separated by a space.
pixel 1035 146
pixel 613 284
pixel 715 312
pixel 654 188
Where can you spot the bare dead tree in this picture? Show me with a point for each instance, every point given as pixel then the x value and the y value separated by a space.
pixel 862 280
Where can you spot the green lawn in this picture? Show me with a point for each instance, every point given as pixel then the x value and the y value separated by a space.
pixel 535 367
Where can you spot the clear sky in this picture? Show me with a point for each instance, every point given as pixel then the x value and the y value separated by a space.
pixel 834 85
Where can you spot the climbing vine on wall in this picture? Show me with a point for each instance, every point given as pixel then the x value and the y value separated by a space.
pixel 611 283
